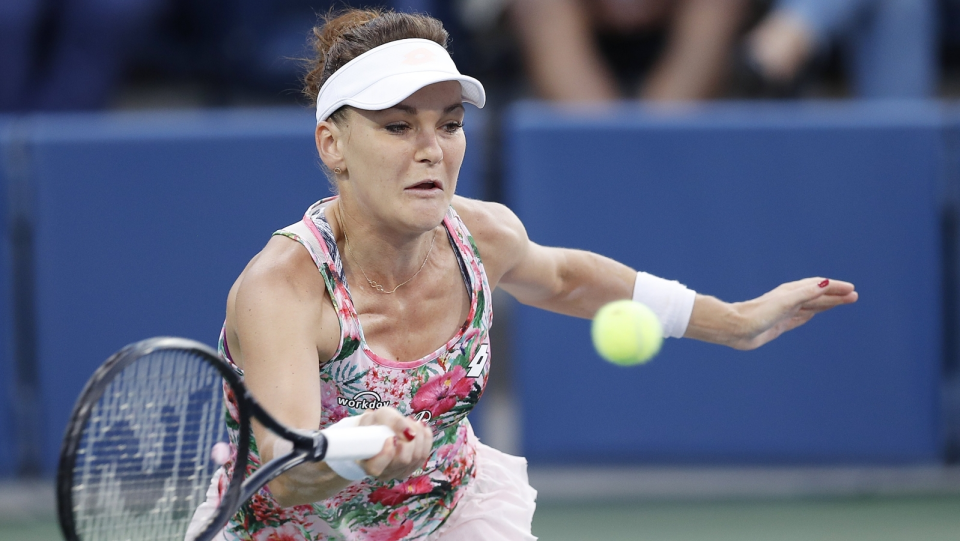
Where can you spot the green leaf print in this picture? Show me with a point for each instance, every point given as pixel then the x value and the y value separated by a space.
pixel 478 317
pixel 476 251
pixel 231 424
pixel 362 513
pixel 446 437
pixel 350 345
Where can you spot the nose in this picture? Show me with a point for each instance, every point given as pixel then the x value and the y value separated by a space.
pixel 429 150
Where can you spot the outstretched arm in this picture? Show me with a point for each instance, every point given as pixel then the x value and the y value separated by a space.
pixel 578 283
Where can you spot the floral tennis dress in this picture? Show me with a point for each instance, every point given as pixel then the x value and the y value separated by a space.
pixel 439 389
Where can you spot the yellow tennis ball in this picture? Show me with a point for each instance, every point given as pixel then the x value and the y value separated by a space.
pixel 626 333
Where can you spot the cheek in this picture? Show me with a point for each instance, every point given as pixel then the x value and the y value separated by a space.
pixel 381 161
pixel 454 150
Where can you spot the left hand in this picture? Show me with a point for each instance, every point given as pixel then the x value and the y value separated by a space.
pixel 785 308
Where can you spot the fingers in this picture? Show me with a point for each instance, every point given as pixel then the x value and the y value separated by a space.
pixel 835 287
pixel 415 447
pixel 406 452
pixel 815 293
pixel 788 306
pixel 832 293
pixel 827 302
pixel 375 466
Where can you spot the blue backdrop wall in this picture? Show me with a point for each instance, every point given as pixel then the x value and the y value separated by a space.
pixel 733 202
pixel 7 462
pixel 143 221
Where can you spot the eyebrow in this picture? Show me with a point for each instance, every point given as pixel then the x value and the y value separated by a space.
pixel 413 110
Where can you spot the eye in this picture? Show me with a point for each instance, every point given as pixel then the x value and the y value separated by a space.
pixel 397 128
pixel 453 127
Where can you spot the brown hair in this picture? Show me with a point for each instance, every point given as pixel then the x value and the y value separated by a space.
pixel 345 35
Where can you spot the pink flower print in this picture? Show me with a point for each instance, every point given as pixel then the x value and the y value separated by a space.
pixel 398 515
pixel 328 401
pixel 402 492
pixel 344 312
pixel 287 532
pixel 231 400
pixel 441 393
pixel 265 511
pixel 388 533
pixel 447 452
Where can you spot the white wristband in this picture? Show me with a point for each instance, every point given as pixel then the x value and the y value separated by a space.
pixel 670 300
pixel 348 469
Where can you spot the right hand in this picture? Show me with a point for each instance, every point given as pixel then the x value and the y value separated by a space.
pixel 402 455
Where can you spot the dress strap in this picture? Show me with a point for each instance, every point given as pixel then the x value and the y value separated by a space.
pixel 301 230
pixel 324 257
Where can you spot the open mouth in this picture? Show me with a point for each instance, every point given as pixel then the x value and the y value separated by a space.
pixel 426 185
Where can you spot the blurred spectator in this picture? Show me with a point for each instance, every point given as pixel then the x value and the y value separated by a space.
pixel 67 54
pixel 593 50
pixel 17 21
pixel 888 46
pixel 269 37
pixel 950 30
pixel 75 54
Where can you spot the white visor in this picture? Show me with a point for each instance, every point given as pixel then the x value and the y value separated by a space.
pixel 386 75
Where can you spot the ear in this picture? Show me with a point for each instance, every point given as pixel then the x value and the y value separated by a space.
pixel 328 138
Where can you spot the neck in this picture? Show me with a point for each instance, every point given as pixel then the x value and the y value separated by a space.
pixel 381 255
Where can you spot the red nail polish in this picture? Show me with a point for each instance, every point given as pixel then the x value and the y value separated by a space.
pixel 824 283
pixel 407 433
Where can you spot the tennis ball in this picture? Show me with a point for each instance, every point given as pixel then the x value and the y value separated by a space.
pixel 626 333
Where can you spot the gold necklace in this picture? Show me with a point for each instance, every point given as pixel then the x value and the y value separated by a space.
pixel 373 284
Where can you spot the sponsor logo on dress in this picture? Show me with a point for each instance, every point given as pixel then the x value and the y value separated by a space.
pixel 366 400
pixel 479 362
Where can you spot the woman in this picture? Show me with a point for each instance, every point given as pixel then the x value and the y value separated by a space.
pixel 406 344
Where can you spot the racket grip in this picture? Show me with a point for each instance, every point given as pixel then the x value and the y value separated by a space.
pixel 357 443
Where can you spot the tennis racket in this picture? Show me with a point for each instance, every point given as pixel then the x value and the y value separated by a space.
pixel 142 443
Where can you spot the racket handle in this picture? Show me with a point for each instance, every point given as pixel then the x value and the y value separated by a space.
pixel 357 443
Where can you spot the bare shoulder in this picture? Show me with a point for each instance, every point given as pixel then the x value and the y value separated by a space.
pixel 284 268
pixel 280 291
pixel 498 232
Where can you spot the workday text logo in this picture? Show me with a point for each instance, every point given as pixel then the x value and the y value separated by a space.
pixel 367 400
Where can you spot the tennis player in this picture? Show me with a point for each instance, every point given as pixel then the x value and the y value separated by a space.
pixel 376 307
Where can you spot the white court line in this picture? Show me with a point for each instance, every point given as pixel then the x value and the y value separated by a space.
pixel 27 500
pixel 620 483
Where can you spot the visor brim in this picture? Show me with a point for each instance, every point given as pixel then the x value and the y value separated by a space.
pixel 389 91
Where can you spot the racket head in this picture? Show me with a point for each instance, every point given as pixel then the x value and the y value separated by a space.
pixel 135 461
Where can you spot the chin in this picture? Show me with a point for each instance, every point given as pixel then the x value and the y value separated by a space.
pixel 428 212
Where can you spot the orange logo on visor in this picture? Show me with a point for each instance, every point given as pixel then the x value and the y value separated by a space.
pixel 419 56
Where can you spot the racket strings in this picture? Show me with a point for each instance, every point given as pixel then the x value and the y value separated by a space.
pixel 143 465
